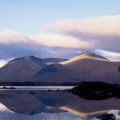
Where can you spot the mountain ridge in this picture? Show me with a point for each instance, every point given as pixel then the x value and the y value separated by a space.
pixel 20 69
pixel 86 55
pixel 83 67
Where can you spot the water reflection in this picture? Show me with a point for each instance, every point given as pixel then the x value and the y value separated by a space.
pixel 52 105
pixel 7 115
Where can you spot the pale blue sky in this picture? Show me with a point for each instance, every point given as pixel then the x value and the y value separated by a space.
pixel 28 16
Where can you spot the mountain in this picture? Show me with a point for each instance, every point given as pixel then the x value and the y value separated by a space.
pixel 21 69
pixel 55 73
pixel 49 61
pixel 86 55
pixel 91 67
pixel 83 67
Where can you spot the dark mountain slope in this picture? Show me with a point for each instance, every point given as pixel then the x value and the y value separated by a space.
pixel 21 69
pixel 55 73
pixel 92 67
pixel 84 67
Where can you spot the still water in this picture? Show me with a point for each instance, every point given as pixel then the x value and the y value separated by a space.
pixel 53 105
pixel 39 87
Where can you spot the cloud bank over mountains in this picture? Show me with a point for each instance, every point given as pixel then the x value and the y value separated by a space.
pixel 100 32
pixel 99 26
pixel 66 37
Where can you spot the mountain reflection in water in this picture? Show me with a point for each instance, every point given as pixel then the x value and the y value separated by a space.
pixel 52 105
pixel 6 114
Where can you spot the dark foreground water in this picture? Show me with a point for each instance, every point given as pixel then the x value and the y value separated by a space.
pixel 54 105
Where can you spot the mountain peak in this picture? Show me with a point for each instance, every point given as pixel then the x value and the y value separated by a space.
pixel 90 55
pixel 28 57
pixel 86 55
pixel 21 58
pixel 21 68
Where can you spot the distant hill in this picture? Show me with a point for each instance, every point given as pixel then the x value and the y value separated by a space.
pixel 86 55
pixel 91 67
pixel 55 73
pixel 21 69
pixel 83 67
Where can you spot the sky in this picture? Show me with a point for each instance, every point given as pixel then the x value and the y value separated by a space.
pixel 59 28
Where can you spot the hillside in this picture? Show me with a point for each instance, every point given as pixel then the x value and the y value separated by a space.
pixel 55 73
pixel 86 55
pixel 83 67
pixel 92 67
pixel 21 69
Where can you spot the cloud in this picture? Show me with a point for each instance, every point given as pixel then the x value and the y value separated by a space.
pixel 13 44
pixel 110 55
pixel 61 41
pixel 12 37
pixel 100 32
pixel 68 38
pixel 100 26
